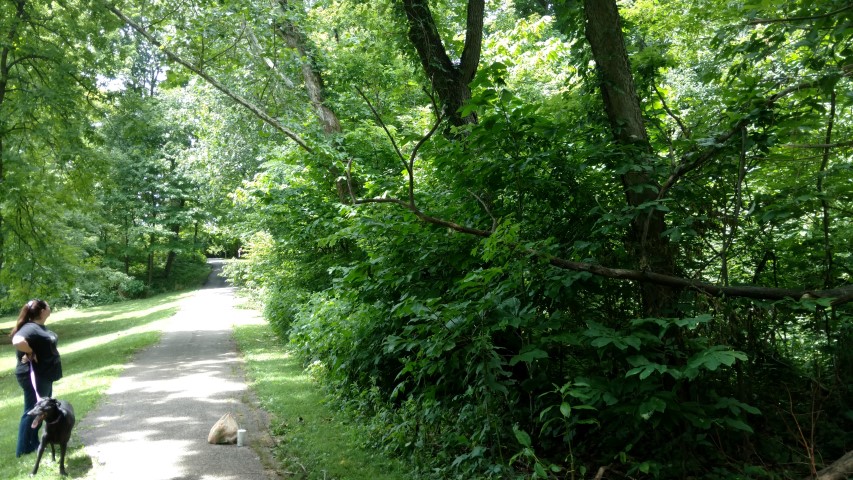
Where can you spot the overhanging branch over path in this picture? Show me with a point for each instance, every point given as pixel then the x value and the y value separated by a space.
pixel 212 81
pixel 840 295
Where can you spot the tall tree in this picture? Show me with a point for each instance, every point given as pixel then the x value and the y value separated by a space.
pixel 47 90
pixel 636 160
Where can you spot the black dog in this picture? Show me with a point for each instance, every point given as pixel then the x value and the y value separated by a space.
pixel 58 416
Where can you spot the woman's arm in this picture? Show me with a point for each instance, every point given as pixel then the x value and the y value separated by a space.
pixel 21 344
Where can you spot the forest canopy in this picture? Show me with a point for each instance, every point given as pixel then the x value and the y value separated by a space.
pixel 573 239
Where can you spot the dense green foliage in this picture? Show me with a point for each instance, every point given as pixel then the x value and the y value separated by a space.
pixel 484 295
pixel 313 440
pixel 94 204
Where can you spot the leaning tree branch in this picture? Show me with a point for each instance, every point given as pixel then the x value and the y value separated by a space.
pixel 684 129
pixel 385 128
pixel 759 21
pixel 487 209
pixel 818 146
pixel 212 81
pixel 841 295
pixel 841 469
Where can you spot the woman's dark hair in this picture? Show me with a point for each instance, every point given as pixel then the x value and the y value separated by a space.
pixel 29 312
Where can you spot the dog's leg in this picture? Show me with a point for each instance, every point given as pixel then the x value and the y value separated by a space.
pixel 40 451
pixel 52 453
pixel 62 447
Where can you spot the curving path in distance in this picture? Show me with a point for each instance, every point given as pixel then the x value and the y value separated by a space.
pixel 154 420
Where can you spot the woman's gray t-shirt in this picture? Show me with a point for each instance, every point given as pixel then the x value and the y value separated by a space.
pixel 48 365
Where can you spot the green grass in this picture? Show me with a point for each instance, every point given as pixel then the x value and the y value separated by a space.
pixel 95 345
pixel 319 446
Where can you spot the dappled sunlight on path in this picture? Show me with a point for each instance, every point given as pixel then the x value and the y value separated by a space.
pixel 154 421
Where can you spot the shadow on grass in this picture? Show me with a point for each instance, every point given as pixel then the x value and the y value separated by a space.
pixel 88 373
pixel 93 371
pixel 314 442
pixel 70 332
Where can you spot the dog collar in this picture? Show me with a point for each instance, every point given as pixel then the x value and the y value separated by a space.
pixel 55 421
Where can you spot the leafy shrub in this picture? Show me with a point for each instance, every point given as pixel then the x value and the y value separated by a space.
pixel 102 286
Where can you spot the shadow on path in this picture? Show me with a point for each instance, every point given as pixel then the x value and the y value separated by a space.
pixel 154 420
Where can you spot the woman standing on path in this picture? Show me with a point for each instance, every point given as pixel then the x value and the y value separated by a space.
pixel 35 347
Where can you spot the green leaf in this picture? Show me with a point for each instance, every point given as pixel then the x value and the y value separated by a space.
pixel 694 322
pixel 528 356
pixel 711 359
pixel 653 404
pixel 522 436
pixel 738 424
pixel 632 341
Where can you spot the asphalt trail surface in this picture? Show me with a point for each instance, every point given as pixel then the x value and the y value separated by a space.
pixel 154 420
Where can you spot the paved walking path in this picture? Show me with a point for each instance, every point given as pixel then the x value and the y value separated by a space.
pixel 154 420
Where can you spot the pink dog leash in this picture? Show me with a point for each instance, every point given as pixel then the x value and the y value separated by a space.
pixel 33 380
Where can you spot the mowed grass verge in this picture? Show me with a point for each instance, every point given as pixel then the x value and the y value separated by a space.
pixel 312 441
pixel 95 345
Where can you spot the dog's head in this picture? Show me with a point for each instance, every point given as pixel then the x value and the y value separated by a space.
pixel 45 408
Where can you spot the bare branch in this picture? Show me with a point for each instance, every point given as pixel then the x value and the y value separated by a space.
pixel 414 154
pixel 410 165
pixel 488 211
pixel 684 129
pixel 817 146
pixel 759 21
pixel 384 127
pixel 255 46
pixel 349 182
pixel 396 201
pixel 432 100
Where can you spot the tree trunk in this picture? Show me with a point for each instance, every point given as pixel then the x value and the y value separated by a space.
pixel 2 188
pixel 172 256
pixel 4 82
pixel 150 265
pixel 645 239
pixel 295 39
pixel 827 244
pixel 449 81
pixel 126 246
